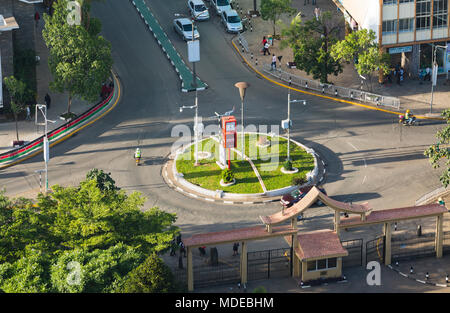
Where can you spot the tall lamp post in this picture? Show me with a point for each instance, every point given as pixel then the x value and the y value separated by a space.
pixel 43 109
pixel 434 74
pixel 288 123
pixel 193 59
pixel 242 86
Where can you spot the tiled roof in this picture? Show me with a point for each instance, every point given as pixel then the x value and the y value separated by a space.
pixel 236 235
pixel 319 244
pixel 396 214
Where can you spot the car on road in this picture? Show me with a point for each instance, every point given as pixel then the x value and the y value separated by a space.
pixel 183 26
pixel 221 5
pixel 232 21
pixel 290 199
pixel 198 10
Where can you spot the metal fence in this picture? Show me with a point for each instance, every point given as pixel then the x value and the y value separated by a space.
pixel 375 250
pixel 354 248
pixel 353 94
pixel 405 249
pixel 269 264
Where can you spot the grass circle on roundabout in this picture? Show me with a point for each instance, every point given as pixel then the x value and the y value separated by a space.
pixel 268 161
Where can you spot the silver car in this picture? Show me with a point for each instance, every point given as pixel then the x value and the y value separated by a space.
pixel 198 10
pixel 183 26
pixel 231 21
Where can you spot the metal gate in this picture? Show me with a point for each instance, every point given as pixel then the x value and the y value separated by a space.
pixel 225 272
pixel 269 264
pixel 446 247
pixel 375 250
pixel 354 248
pixel 404 249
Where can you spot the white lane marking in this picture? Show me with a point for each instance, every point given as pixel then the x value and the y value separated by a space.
pixel 208 199
pixel 364 180
pixel 228 202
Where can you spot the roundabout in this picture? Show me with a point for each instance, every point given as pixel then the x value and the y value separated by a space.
pixel 258 174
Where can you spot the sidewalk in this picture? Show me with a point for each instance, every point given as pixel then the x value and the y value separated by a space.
pixel 413 94
pixel 27 129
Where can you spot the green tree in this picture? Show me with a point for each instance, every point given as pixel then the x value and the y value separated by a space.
pixel 311 42
pixel 19 94
pixel 80 61
pixel 104 180
pixel 29 274
pixel 273 9
pixel 439 153
pixel 152 276
pixel 79 270
pixel 361 48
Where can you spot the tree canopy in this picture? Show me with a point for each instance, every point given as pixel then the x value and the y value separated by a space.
pixel 439 154
pixel 105 231
pixel 311 42
pixel 80 60
pixel 273 9
pixel 360 47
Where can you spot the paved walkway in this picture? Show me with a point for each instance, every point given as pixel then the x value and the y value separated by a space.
pixel 413 94
pixel 28 131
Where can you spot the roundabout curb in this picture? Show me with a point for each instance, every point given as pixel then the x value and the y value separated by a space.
pixel 175 181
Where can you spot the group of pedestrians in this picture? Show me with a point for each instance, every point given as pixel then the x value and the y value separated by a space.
pixel 265 49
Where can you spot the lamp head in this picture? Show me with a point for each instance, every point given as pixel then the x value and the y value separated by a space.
pixel 242 87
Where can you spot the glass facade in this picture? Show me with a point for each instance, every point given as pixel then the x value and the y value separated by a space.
pixel 406 24
pixel 423 14
pixel 389 26
pixel 440 13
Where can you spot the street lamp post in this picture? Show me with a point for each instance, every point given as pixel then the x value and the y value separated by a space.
pixel 194 85
pixel 43 109
pixel 289 120
pixel 242 86
pixel 434 75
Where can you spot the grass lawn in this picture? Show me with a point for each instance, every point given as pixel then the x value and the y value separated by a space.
pixel 269 162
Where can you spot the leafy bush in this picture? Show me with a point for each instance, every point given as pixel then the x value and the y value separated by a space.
pixel 227 176
pixel 150 277
pixel 259 289
pixel 299 181
pixel 288 165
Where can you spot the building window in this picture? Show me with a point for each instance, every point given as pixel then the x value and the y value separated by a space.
pixel 389 2
pixel 423 14
pixel 321 265
pixel 389 26
pixel 404 1
pixel 440 13
pixel 332 263
pixel 406 24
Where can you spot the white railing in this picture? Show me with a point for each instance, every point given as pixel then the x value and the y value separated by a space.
pixel 353 94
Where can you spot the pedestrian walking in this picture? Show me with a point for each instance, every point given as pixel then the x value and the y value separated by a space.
pixel 182 249
pixel 317 12
pixel 47 100
pixel 37 17
pixel 274 62
pixel 202 250
pixel 235 248
pixel 266 48
pixel 28 113
pixel 402 72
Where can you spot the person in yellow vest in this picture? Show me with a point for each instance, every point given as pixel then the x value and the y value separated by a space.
pixel 137 154
pixel 410 118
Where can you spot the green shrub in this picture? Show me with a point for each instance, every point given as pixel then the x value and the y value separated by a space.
pixel 227 176
pixel 259 289
pixel 299 181
pixel 288 165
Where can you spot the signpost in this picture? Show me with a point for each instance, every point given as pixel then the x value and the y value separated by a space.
pixel 229 135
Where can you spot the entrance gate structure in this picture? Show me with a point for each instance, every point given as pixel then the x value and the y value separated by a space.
pixel 318 254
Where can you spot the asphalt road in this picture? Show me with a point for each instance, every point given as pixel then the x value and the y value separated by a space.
pixel 369 157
